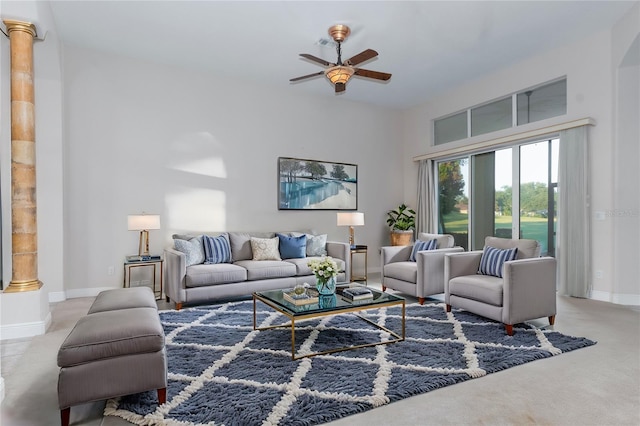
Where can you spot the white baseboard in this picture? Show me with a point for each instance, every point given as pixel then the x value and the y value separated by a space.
pixel 25 329
pixel 60 296
pixel 86 292
pixel 57 296
pixel 619 299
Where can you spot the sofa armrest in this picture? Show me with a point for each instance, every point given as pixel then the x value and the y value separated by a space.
pixel 340 250
pixel 529 289
pixel 461 264
pixel 391 254
pixel 175 273
pixel 430 265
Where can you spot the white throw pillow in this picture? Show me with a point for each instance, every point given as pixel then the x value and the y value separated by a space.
pixel 265 248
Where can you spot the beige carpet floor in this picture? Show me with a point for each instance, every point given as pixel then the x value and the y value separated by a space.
pixel 598 385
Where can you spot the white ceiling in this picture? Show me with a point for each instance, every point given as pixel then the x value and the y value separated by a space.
pixel 428 46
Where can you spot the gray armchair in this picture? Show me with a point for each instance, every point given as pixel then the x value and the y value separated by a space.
pixel 421 278
pixel 526 291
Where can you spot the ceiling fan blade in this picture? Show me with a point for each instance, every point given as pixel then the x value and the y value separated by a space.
pixel 372 74
pixel 361 57
pixel 315 59
pixel 340 87
pixel 307 76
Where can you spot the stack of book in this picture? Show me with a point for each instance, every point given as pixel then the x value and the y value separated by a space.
pixel 357 293
pixel 309 297
pixel 143 258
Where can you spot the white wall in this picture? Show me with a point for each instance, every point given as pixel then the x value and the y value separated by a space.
pixel 202 152
pixel 590 82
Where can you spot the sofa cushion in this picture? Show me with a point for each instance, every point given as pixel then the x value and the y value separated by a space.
pixel 493 259
pixel 526 248
pixel 444 240
pixel 403 271
pixel 216 249
pixel 292 247
pixel 265 269
pixel 123 298
pixel 192 249
pixel 422 246
pixel 240 246
pixel 220 273
pixel 265 248
pixel 483 288
pixel 112 334
pixel 316 245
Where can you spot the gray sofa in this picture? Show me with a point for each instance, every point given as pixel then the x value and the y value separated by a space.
pixel 191 279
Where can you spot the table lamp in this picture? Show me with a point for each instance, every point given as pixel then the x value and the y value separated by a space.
pixel 351 219
pixel 143 223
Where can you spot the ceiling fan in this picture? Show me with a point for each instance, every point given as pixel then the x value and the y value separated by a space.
pixel 340 72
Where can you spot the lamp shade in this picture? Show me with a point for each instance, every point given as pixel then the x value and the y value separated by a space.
pixel 351 219
pixel 143 222
pixel 339 74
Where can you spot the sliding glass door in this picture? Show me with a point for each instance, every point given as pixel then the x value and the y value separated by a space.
pixel 453 200
pixel 507 193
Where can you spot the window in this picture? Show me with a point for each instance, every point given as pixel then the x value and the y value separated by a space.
pixel 491 117
pixel 534 104
pixel 542 102
pixel 451 128
pixel 512 191
pixel 453 200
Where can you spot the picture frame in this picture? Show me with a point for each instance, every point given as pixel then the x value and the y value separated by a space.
pixel 316 185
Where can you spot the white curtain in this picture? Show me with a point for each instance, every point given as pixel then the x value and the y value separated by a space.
pixel 426 209
pixel 573 242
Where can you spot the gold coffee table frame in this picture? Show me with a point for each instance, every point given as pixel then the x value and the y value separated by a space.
pixel 270 299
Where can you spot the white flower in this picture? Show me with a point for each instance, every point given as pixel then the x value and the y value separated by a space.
pixel 324 269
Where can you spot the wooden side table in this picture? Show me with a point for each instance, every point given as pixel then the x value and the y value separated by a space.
pixel 154 263
pixel 359 249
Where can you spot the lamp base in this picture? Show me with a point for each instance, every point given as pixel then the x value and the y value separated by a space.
pixel 144 244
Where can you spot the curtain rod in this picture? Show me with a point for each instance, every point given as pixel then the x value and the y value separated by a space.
pixel 506 139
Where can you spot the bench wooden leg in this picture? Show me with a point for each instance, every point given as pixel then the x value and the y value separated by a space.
pixel 178 306
pixel 167 299
pixel 509 328
pixel 421 300
pixel 162 395
pixel 552 319
pixel 448 308
pixel 384 288
pixel 64 416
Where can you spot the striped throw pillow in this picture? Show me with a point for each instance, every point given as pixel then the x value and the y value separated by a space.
pixel 422 246
pixel 493 260
pixel 216 249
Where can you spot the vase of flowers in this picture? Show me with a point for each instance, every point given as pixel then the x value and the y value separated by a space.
pixel 325 270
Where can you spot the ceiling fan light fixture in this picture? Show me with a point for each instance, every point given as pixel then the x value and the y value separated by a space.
pixel 339 74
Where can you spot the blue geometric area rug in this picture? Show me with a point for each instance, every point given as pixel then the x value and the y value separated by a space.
pixel 222 372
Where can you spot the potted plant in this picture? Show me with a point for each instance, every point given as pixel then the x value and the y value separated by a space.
pixel 402 222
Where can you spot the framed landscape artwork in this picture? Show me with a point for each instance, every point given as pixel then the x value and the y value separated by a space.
pixel 316 185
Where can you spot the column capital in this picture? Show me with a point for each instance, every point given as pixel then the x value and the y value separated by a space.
pixel 15 25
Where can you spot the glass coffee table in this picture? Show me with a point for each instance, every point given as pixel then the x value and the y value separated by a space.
pixel 328 305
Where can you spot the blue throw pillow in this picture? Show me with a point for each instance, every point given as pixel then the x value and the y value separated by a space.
pixel 422 246
pixel 493 259
pixel 292 247
pixel 216 249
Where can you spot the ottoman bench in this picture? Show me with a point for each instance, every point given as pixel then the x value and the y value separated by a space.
pixel 117 349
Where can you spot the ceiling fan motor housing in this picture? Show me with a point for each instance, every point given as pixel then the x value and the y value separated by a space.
pixel 339 33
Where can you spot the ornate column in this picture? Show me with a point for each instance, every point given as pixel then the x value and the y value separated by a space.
pixel 24 229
